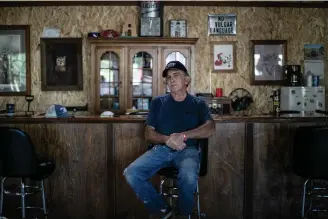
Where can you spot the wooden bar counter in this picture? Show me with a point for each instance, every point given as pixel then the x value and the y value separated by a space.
pixel 249 167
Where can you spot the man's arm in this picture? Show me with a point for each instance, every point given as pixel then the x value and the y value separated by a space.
pixel 207 129
pixel 204 131
pixel 154 137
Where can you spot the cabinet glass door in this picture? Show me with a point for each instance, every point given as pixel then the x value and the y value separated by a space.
pixel 142 78
pixel 181 55
pixel 109 79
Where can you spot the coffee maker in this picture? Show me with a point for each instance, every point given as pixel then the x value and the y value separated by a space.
pixel 293 75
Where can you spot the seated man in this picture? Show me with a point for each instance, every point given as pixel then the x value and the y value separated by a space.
pixel 174 123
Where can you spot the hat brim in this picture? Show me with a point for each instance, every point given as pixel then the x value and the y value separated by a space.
pixel 164 74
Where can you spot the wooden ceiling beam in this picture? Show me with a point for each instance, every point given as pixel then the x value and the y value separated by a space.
pixel 297 4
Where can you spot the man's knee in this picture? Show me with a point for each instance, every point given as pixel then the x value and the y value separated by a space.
pixel 189 177
pixel 188 172
pixel 130 173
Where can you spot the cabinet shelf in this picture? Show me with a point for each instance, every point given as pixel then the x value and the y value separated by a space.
pixel 114 69
pixel 140 96
pixel 147 40
pixel 109 96
pixel 141 68
pixel 110 82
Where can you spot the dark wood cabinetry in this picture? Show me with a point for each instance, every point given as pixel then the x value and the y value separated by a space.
pixel 249 167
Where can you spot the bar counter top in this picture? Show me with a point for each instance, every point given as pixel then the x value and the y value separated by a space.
pixel 264 118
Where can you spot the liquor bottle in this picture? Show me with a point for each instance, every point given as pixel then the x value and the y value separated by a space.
pixel 276 102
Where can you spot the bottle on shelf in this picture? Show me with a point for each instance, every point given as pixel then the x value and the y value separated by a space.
pixel 276 102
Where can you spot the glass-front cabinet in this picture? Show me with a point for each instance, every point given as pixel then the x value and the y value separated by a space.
pixel 109 80
pixel 128 71
pixel 177 54
pixel 143 77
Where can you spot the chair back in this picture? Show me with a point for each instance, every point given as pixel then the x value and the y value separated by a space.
pixel 17 153
pixel 203 147
pixel 310 152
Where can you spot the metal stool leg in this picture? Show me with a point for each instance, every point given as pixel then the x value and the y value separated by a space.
pixel 23 197
pixel 304 196
pixel 198 202
pixel 161 186
pixel 1 195
pixel 44 206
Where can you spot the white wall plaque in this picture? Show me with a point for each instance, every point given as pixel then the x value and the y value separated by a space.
pixel 222 24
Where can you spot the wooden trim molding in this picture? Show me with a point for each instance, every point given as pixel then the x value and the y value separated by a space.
pixel 293 4
pixel 157 40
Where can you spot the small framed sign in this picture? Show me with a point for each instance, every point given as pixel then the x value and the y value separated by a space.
pixel 222 24
pixel 178 28
pixel 223 56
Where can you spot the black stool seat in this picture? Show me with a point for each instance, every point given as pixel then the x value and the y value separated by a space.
pixel 170 172
pixel 310 160
pixel 44 169
pixel 18 159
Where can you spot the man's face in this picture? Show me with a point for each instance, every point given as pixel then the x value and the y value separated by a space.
pixel 176 80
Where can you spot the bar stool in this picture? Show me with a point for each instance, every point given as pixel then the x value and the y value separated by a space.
pixel 18 159
pixel 170 176
pixel 310 161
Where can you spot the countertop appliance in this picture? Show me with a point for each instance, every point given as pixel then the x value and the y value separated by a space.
pixel 293 75
pixel 307 99
pixel 217 105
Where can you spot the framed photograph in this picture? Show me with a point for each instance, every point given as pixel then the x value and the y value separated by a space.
pixel 15 76
pixel 267 60
pixel 223 56
pixel 61 64
pixel 178 28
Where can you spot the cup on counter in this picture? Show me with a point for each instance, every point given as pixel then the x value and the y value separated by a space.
pixel 218 92
pixel 10 109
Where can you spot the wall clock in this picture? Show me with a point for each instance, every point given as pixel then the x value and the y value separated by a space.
pixel 150 26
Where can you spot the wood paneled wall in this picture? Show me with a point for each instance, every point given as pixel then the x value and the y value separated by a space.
pixel 90 159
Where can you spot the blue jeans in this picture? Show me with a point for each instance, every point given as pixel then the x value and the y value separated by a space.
pixel 139 172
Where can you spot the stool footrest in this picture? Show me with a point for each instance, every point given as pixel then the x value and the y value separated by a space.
pixel 30 207
pixel 29 190
pixel 170 195
pixel 319 210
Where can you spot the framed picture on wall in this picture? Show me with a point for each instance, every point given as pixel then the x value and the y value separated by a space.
pixel 267 60
pixel 15 73
pixel 223 56
pixel 61 64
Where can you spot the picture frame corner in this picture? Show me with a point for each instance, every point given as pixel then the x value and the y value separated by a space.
pixel 22 44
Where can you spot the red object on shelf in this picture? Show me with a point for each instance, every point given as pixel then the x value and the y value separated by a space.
pixel 218 92
pixel 109 33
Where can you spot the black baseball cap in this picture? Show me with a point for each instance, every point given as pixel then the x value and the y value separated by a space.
pixel 174 65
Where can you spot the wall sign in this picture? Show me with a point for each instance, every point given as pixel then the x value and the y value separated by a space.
pixel 222 24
